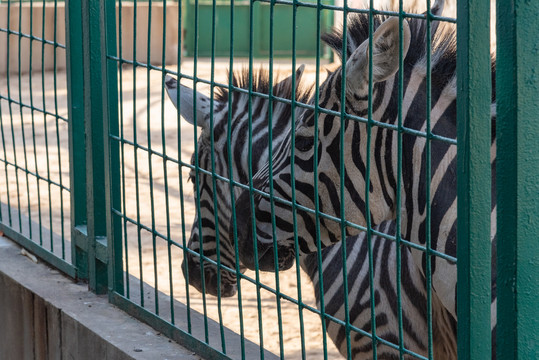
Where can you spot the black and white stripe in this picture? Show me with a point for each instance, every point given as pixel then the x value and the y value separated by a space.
pixel 415 335
pixel 381 156
pixel 213 220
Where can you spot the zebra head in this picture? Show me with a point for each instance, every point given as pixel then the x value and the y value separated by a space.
pixel 309 169
pixel 195 108
pixel 213 193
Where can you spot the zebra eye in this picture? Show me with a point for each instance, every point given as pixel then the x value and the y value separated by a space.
pixel 304 143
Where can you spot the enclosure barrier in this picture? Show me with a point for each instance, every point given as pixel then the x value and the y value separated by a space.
pixel 119 222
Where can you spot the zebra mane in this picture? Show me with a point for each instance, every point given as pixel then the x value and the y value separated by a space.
pixel 282 86
pixel 444 49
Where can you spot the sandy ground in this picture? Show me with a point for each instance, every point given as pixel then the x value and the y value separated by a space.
pixel 148 119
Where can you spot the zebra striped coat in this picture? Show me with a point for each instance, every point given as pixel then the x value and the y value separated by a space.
pixel 379 145
pixel 215 231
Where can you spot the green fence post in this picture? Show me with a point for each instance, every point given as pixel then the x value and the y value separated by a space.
pixel 93 102
pixel 94 124
pixel 77 141
pixel 517 130
pixel 113 184
pixel 473 179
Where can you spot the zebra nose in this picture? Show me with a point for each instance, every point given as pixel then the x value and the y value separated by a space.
pixel 265 259
pixel 170 82
pixel 243 228
pixel 192 273
pixel 229 290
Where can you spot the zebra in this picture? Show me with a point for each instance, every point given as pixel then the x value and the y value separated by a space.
pixel 387 324
pixel 217 233
pixel 382 157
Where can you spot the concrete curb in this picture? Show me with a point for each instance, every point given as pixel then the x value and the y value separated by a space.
pixel 44 315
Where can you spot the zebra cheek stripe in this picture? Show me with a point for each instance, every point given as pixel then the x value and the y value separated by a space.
pixel 244 231
pixel 266 255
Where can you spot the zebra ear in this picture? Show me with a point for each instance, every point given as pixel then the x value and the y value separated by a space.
pixel 385 59
pixel 285 86
pixel 299 73
pixel 436 10
pixel 186 102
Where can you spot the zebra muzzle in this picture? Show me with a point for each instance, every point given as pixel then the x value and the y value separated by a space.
pixel 263 256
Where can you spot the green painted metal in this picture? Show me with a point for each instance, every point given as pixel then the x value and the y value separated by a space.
pixel 214 181
pixel 293 194
pixel 165 171
pixel 95 128
pixel 197 172
pixel 304 18
pixel 399 182
pixel 77 139
pixel 473 179
pixel 32 175
pixel 180 162
pixel 111 153
pixel 23 138
pixel 38 250
pixel 99 219
pixel 517 90
pixel 342 197
pixel 231 182
pixel 30 84
pixel 428 177
pixel 251 187
pixel 150 150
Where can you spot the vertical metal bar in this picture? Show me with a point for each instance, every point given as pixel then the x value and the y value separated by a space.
pixel 197 173
pixel 517 88
pixel 293 185
pixel 23 135
pixel 16 167
pixel 111 149
pixel 214 184
pixel 473 179
pixel 135 155
pixel 96 126
pixel 55 48
pixel 251 187
pixel 180 165
pixel 428 239
pixel 231 177
pixel 30 86
pixel 77 140
pixel 122 149
pixel 367 186
pixel 270 166
pixel 5 163
pixel 165 162
pixel 45 130
pixel 150 153
pixel 398 239
pixel 8 201
pixel 342 191
pixel 315 171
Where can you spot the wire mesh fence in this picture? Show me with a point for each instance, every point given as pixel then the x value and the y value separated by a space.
pixel 195 162
pixel 35 161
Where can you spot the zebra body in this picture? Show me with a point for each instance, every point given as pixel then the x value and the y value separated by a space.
pixel 415 329
pixel 374 146
pixel 413 299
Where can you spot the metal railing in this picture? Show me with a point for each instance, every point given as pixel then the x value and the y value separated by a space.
pixel 119 222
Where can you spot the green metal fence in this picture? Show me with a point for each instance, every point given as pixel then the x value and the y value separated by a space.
pixel 33 114
pixel 94 163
